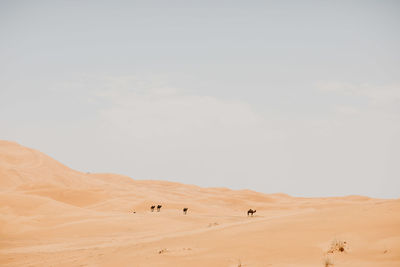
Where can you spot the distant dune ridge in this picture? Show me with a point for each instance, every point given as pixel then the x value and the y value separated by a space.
pixel 51 215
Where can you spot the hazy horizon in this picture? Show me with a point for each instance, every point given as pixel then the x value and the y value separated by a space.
pixel 295 97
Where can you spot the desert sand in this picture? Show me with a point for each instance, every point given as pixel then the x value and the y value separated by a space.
pixel 51 215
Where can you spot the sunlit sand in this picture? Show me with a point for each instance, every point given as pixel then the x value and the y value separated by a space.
pixel 51 215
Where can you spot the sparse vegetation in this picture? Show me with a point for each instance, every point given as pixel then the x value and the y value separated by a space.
pixel 338 246
pixel 162 251
pixel 213 224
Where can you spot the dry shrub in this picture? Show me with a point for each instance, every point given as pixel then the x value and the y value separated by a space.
pixel 338 246
pixel 162 251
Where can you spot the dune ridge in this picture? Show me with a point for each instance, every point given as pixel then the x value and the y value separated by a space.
pixel 51 215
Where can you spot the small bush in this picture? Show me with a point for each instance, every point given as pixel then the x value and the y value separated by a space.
pixel 338 245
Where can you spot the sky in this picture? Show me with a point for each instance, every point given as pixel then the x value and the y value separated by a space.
pixel 299 97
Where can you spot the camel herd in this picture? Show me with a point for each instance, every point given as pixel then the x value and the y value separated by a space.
pixel 158 208
pixel 250 212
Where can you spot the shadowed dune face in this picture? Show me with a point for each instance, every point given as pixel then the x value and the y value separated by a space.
pixel 51 215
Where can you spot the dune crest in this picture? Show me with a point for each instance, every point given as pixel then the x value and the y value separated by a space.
pixel 51 215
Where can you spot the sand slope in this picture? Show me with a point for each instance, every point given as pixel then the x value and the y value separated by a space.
pixel 51 215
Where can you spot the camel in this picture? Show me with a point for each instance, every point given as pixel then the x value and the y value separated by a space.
pixel 250 211
pixel 185 210
pixel 158 208
pixel 152 208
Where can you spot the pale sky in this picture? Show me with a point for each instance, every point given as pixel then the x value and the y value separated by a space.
pixel 299 97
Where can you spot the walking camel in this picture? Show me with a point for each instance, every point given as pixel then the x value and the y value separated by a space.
pixel 158 208
pixel 152 208
pixel 250 211
pixel 185 210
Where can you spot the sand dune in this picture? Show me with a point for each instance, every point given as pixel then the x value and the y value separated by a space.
pixel 51 215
